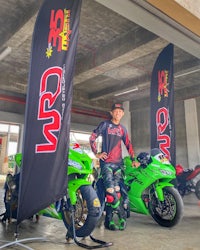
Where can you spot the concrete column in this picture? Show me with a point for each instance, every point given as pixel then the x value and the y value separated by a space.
pixel 20 140
pixel 126 121
pixel 192 133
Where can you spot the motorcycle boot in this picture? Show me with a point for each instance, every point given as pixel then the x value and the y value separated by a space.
pixel 113 210
pixel 109 222
pixel 122 215
pixel 116 219
pixel 122 224
pixel 112 203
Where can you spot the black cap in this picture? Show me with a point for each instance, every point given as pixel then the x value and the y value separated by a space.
pixel 117 106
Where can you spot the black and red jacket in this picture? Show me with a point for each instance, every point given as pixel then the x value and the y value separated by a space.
pixel 112 135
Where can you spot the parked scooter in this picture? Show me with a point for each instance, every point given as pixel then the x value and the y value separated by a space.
pixel 150 190
pixel 188 180
pixel 79 209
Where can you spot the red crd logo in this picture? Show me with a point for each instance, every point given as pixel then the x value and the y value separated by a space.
pixel 115 131
pixel 59 34
pixel 162 122
pixel 47 112
pixel 162 84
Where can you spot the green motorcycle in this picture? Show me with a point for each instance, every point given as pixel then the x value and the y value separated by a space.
pixel 81 197
pixel 150 189
pixel 80 209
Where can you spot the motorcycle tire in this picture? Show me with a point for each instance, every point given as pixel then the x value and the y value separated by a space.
pixel 86 214
pixel 169 212
pixel 197 189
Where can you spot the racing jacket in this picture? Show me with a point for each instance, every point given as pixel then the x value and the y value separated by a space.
pixel 112 135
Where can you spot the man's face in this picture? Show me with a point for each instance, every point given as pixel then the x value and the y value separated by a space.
pixel 117 114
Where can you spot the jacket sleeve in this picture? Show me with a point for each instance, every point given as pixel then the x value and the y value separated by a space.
pixel 93 144
pixel 128 143
pixel 96 132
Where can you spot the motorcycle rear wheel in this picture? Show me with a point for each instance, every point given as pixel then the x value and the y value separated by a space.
pixel 169 212
pixel 86 213
pixel 197 189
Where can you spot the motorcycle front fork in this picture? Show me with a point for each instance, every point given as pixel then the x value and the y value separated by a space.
pixel 156 195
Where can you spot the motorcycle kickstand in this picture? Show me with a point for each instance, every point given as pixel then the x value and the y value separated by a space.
pixel 101 243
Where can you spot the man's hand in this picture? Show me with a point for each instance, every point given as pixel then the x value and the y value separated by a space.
pixel 103 156
pixel 135 164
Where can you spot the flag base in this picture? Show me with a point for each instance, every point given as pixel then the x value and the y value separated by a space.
pixel 20 243
pixel 101 244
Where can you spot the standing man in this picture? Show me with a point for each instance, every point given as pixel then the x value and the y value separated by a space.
pixel 113 133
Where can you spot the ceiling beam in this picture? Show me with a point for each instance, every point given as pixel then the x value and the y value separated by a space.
pixel 80 98
pixel 143 82
pixel 178 13
pixel 16 17
pixel 140 83
pixel 142 50
pixel 156 22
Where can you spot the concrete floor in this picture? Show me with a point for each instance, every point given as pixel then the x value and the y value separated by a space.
pixel 142 233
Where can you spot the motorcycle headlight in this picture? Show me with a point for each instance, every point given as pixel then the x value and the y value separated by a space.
pixel 166 172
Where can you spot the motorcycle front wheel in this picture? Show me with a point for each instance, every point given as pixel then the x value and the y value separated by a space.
pixel 86 213
pixel 169 212
pixel 197 189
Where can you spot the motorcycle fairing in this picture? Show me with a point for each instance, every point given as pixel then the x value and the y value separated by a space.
pixel 73 186
pixel 51 212
pixel 140 181
pixel 138 205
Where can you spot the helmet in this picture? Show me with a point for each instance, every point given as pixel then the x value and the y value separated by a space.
pixel 144 159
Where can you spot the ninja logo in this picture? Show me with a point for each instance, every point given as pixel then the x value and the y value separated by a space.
pixel 135 179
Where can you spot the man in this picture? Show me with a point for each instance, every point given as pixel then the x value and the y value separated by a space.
pixel 113 133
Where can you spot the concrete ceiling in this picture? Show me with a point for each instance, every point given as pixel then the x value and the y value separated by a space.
pixel 118 45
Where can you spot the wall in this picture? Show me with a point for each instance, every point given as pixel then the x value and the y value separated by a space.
pixel 3 164
pixel 140 128
pixel 198 112
pixel 180 126
pixel 9 117
pixel 192 132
